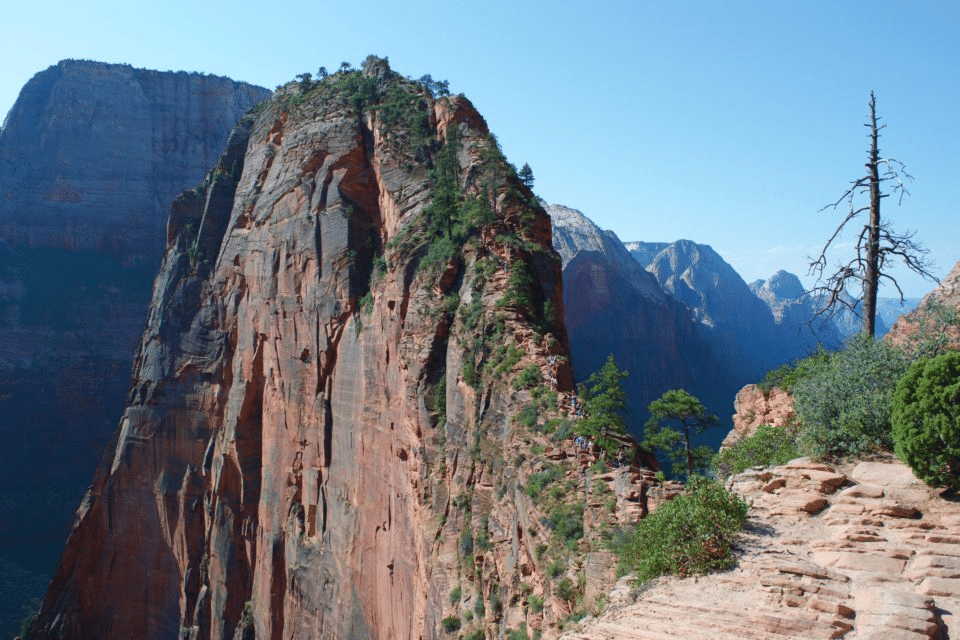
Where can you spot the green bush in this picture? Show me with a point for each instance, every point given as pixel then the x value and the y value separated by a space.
pixel 455 595
pixel 926 419
pixel 566 520
pixel 538 481
pixel 535 603
pixel 566 590
pixel 529 377
pixel 844 401
pixel 451 624
pixel 769 446
pixel 691 534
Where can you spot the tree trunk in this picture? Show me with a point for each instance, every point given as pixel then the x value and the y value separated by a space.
pixel 686 435
pixel 871 276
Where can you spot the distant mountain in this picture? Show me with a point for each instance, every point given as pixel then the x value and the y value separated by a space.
pixel 794 311
pixel 741 327
pixel 612 305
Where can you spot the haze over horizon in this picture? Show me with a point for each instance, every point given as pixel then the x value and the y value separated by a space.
pixel 727 125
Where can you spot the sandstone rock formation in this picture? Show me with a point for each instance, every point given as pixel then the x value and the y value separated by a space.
pixel 933 325
pixel 321 416
pixel 859 552
pixel 753 407
pixel 612 305
pixel 91 156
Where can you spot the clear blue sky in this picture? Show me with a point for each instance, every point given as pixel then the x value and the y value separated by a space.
pixel 726 123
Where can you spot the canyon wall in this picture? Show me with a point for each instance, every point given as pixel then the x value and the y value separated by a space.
pixel 320 409
pixel 91 156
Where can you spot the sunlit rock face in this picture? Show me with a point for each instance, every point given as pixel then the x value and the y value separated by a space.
pixel 313 396
pixel 933 325
pixel 91 156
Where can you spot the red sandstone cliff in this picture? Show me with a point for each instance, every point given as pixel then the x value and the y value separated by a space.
pixel 316 416
pixel 934 324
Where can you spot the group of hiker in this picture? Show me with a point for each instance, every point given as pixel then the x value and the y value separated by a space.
pixel 586 444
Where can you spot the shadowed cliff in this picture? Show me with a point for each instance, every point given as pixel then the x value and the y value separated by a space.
pixel 91 156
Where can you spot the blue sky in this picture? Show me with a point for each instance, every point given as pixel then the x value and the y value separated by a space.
pixel 726 123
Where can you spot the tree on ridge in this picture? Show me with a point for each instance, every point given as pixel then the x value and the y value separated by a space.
pixel 877 244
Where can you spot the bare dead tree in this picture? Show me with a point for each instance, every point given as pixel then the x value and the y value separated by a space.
pixel 878 245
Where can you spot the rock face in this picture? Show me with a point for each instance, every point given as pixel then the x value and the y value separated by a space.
pixel 91 156
pixel 933 325
pixel 860 552
pixel 754 407
pixel 320 408
pixel 792 310
pixel 612 305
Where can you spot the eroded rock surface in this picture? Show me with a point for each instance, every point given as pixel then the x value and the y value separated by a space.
pixel 754 407
pixel 865 551
pixel 933 325
pixel 319 416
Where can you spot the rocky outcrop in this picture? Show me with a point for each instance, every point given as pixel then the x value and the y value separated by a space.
pixel 859 552
pixel 321 417
pixel 933 325
pixel 91 156
pixel 753 407
pixel 612 305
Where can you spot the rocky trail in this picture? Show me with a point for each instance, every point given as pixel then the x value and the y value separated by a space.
pixel 859 552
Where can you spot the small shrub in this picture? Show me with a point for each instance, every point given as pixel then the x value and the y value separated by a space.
pixel 769 446
pixel 479 608
pixel 926 419
pixel 691 534
pixel 535 603
pixel 565 590
pixel 451 624
pixel 529 377
pixel 537 481
pixel 455 595
pixel 527 416
pixel 476 634
pixel 567 522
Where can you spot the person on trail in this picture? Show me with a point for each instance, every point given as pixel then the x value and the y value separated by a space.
pixel 621 459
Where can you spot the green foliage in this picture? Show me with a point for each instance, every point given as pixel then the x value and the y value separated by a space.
pixel 691 534
pixel 535 604
pixel 455 595
pixel 677 407
pixel 529 377
pixel 926 419
pixel 844 400
pixel 451 624
pixel 537 481
pixel 788 375
pixel 605 403
pixel 527 416
pixel 476 634
pixel 479 608
pixel 566 590
pixel 526 175
pixel 768 446
pixel 566 520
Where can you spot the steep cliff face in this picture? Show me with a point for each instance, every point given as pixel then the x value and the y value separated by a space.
pixel 320 409
pixel 613 305
pixel 91 156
